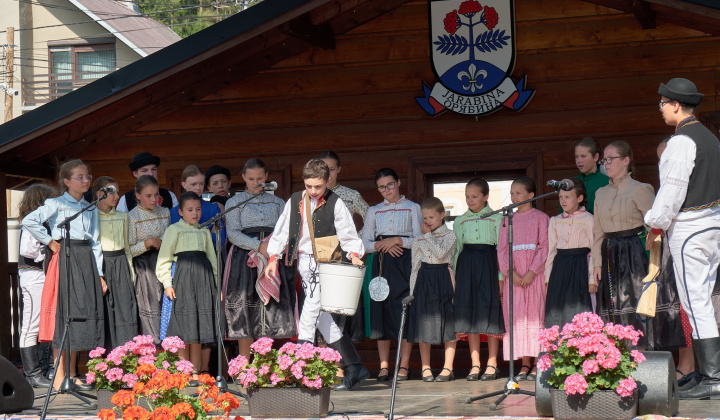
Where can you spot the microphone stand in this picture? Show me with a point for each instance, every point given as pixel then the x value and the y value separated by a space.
pixel 216 221
pixel 68 386
pixel 405 303
pixel 511 387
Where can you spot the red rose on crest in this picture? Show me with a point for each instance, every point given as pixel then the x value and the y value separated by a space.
pixel 470 7
pixel 451 22
pixel 491 17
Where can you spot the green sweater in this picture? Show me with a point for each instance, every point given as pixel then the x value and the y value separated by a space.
pixel 593 182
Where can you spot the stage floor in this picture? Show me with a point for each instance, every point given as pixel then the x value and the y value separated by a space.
pixel 414 399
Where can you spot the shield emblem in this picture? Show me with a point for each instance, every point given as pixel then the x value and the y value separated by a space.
pixel 473 55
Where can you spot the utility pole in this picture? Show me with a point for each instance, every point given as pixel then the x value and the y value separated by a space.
pixel 10 56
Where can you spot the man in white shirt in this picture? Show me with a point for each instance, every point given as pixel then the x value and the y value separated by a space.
pixel 686 207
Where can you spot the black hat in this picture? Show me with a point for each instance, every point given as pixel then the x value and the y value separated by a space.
pixel 681 90
pixel 142 159
pixel 216 170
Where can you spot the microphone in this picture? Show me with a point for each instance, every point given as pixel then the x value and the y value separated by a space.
pixel 268 186
pixel 565 184
pixel 110 189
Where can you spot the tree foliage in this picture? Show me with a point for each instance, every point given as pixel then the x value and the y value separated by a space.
pixel 187 17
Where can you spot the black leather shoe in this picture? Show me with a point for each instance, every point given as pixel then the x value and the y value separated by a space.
pixel 81 385
pixel 445 378
pixel 490 377
pixel 403 377
pixel 385 377
pixel 684 379
pixel 355 372
pixel 430 377
pixel 474 376
pixel 522 376
pixel 708 356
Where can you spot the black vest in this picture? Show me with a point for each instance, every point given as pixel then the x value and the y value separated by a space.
pixel 704 187
pixel 29 263
pixel 131 200
pixel 323 221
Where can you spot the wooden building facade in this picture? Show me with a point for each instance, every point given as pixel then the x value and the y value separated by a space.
pixel 304 76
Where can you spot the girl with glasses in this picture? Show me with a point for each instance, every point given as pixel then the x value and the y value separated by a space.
pixel 390 230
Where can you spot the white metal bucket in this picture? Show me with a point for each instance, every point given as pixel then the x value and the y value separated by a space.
pixel 340 287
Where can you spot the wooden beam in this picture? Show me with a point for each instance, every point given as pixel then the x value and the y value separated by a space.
pixel 27 170
pixel 693 8
pixel 5 306
pixel 306 31
pixel 643 13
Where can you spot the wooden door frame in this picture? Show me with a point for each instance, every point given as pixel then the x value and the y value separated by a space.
pixel 421 170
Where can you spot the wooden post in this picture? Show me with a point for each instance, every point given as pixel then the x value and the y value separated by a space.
pixel 5 307
pixel 9 64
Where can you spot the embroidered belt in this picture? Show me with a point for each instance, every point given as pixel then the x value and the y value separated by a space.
pixel 625 233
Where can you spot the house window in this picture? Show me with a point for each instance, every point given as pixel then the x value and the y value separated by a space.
pixel 73 66
pixel 452 194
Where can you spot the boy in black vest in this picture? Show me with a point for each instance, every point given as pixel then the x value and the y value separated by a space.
pixel 330 217
pixel 145 164
pixel 686 207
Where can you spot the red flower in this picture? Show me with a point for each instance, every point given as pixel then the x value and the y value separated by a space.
pixel 182 408
pixel 107 414
pixel 136 413
pixel 123 398
pixel 451 22
pixel 491 17
pixel 470 7
pixel 162 413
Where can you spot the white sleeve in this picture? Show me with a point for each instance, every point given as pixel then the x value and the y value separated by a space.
pixel 281 233
pixel 175 201
pixel 676 166
pixel 33 222
pixel 30 247
pixel 346 231
pixel 122 205
pixel 368 232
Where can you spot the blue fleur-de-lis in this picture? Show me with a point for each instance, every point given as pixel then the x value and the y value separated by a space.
pixel 472 75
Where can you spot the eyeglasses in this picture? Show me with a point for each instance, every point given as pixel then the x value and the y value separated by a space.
pixel 81 178
pixel 609 159
pixel 389 186
pixel 662 103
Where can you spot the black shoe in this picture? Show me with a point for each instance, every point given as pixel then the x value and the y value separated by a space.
pixel 474 376
pixel 355 372
pixel 490 377
pixel 708 356
pixel 685 378
pixel 385 377
pixel 531 376
pixel 429 378
pixel 445 378
pixel 522 376
pixel 79 385
pixel 31 367
pixel 403 377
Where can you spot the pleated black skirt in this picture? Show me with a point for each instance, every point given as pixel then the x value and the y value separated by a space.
pixel 431 315
pixel 245 314
pixel 193 317
pixel 478 309
pixel 385 315
pixel 121 312
pixel 567 293
pixel 624 265
pixel 84 301
pixel 149 292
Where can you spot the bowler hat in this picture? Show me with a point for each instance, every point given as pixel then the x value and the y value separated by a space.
pixel 216 170
pixel 142 159
pixel 681 90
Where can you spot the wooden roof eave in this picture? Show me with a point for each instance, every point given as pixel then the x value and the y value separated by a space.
pixel 678 12
pixel 177 76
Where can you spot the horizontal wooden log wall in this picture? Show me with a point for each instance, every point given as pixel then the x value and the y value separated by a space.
pixel 595 72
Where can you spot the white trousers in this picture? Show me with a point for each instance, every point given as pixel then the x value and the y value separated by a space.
pixel 312 317
pixel 695 248
pixel 31 285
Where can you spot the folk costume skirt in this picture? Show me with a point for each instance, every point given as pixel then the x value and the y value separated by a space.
pixel 478 309
pixel 121 312
pixel 193 317
pixel 567 293
pixel 624 266
pixel 431 315
pixel 385 315
pixel 245 314
pixel 149 293
pixel 85 300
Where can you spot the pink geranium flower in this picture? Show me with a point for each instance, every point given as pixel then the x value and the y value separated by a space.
pixel 626 386
pixel 98 352
pixel 575 384
pixel 262 345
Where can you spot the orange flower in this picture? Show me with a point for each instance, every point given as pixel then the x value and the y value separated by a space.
pixel 229 402
pixel 139 388
pixel 206 379
pixel 182 408
pixel 123 398
pixel 239 418
pixel 136 413
pixel 176 380
pixel 162 413
pixel 107 414
pixel 145 370
pixel 209 392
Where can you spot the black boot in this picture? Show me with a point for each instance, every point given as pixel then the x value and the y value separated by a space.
pixel 301 342
pixel 355 372
pixel 697 376
pixel 708 356
pixel 31 367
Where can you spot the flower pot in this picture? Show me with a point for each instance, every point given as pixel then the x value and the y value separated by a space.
pixel 288 402
pixel 600 405
pixel 103 399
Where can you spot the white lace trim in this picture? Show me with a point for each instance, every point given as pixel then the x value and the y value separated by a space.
pixel 524 247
